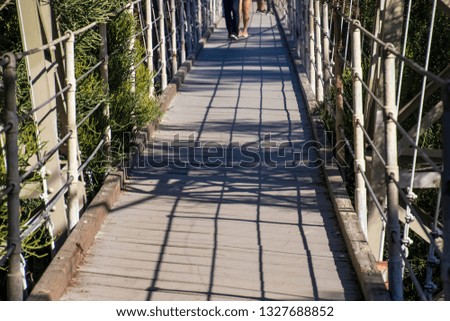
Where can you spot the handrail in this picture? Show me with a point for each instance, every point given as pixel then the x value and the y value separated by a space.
pixel 310 34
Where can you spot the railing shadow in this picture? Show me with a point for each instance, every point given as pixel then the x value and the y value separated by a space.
pixel 266 177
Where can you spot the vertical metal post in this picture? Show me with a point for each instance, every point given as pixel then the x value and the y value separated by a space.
pixel 72 152
pixel 199 19
pixel 358 122
pixel 300 22
pixel 326 48
pixel 162 48
pixel 131 50
pixel 339 86
pixel 105 78
pixel 149 36
pixel 173 27
pixel 445 181
pixel 393 225
pixel 304 33
pixel 183 32
pixel 288 10
pixel 14 276
pixel 189 27
pixel 312 59
pixel 318 50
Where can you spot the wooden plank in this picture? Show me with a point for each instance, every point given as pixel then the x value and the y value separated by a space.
pixel 225 233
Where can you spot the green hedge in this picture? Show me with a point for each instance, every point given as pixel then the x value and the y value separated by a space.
pixel 130 109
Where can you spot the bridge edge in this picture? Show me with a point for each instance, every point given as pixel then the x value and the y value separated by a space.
pixel 370 278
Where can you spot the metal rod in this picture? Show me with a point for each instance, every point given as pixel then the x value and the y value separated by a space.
pixel 174 30
pixel 395 266
pixel 445 185
pixel 189 35
pixel 413 144
pixel 90 71
pixel 131 50
pixel 370 92
pixel 6 191
pixel 199 20
pixel 72 153
pixel 183 32
pixel 318 51
pixel 339 85
pixel 45 158
pixel 5 129
pixel 14 275
pixel 40 218
pixel 391 48
pixel 9 251
pixel 81 122
pixel 104 73
pixel 413 276
pixel 358 122
pixel 149 36
pixel 326 48
pixel 372 194
pixel 45 103
pixel 42 48
pixel 405 198
pixel 162 52
pixel 312 58
pixel 88 160
pixel 370 141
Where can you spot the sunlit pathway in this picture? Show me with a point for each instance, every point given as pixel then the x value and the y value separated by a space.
pixel 224 204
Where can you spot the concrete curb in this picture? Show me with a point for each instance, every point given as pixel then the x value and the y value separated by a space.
pixel 63 267
pixel 363 261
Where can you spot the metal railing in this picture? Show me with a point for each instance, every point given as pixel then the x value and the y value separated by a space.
pixel 329 39
pixel 169 30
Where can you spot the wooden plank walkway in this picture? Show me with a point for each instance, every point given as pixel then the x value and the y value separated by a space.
pixel 232 224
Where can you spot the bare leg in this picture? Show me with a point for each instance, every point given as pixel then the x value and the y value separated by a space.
pixel 261 6
pixel 245 7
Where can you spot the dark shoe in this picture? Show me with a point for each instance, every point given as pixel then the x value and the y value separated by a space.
pixel 234 37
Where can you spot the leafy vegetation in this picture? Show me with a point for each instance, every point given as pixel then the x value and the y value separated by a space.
pixel 412 82
pixel 130 107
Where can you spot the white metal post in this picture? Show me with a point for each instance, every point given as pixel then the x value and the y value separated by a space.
pixel 339 85
pixel 312 59
pixel 318 50
pixel 105 78
pixel 162 48
pixel 131 50
pixel 304 33
pixel 72 153
pixel 189 35
pixel 326 48
pixel 173 27
pixel 149 36
pixel 183 32
pixel 199 19
pixel 393 225
pixel 358 122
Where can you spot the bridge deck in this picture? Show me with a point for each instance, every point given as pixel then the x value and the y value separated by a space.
pixel 261 230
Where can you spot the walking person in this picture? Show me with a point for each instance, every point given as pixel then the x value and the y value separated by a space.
pixel 245 6
pixel 261 6
pixel 231 8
